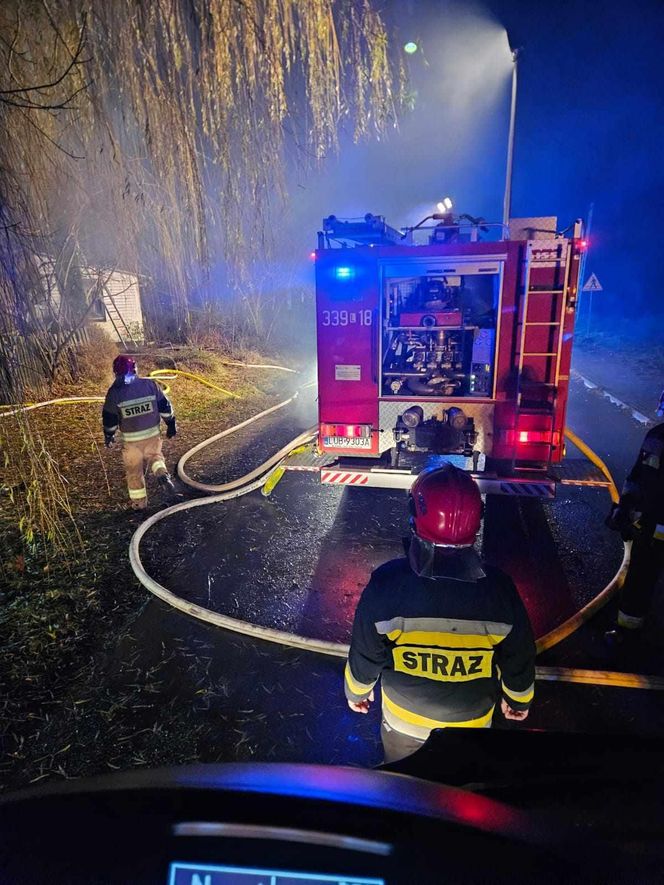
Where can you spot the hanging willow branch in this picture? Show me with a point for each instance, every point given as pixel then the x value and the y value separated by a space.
pixel 156 136
pixel 158 128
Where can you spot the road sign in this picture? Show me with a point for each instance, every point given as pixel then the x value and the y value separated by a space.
pixel 593 285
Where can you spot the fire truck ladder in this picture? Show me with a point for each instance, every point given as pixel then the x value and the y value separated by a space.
pixel 548 388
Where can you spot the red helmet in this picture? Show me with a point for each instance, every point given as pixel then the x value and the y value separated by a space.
pixel 446 507
pixel 124 365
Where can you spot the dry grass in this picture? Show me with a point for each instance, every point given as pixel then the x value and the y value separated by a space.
pixel 58 611
pixel 93 360
pixel 183 177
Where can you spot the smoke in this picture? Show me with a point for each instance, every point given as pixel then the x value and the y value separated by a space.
pixel 589 129
pixel 450 142
pixel 450 139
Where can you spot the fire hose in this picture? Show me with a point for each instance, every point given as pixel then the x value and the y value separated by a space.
pixel 261 475
pixel 159 375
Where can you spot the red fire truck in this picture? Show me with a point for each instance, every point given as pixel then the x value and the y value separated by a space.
pixel 448 341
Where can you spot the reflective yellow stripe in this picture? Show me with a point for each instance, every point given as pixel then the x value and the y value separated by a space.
pixel 353 685
pixel 140 434
pixel 137 402
pixel 425 722
pixel 445 640
pixel 523 697
pixel 137 494
pixel 659 532
pixel 630 622
pixel 158 465
pixel 458 626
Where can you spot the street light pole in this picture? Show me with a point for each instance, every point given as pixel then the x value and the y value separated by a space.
pixel 507 199
pixel 582 268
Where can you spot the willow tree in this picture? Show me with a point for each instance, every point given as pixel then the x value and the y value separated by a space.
pixel 153 135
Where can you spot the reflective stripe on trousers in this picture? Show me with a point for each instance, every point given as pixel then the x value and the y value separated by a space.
pixel 137 456
pixel 420 727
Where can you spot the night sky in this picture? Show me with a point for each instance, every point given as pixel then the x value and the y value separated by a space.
pixel 590 128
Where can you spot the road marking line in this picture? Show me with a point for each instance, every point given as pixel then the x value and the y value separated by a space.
pixel 634 413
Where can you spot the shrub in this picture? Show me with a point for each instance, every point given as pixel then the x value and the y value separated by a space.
pixel 94 358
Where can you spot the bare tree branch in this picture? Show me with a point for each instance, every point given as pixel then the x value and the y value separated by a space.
pixel 72 64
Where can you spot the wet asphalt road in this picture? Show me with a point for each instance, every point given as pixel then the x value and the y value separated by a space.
pixel 298 561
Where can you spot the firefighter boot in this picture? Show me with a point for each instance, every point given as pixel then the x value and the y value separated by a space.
pixel 619 636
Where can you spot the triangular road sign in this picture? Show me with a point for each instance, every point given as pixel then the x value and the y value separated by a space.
pixel 593 285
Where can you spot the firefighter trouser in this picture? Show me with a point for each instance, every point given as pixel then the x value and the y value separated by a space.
pixel 137 457
pixel 645 566
pixel 397 745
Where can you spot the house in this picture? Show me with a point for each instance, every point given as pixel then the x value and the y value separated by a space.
pixel 113 296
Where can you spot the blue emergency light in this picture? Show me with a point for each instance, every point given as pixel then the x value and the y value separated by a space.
pixel 344 273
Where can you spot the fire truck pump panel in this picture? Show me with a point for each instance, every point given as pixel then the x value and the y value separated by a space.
pixel 439 337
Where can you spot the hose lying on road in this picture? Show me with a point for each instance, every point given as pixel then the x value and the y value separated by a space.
pixel 203 614
pixel 321 646
pixel 571 624
pixel 599 677
pixel 595 459
pixel 259 476
pixel 263 469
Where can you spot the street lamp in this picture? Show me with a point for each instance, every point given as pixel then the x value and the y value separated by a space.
pixel 444 205
pixel 507 199
pixel 410 47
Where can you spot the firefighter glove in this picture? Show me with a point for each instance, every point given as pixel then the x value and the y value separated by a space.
pixel 171 428
pixel 109 439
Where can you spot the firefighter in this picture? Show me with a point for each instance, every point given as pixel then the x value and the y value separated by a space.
pixel 134 406
pixel 447 635
pixel 639 517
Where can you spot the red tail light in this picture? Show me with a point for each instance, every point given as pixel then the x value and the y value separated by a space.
pixel 346 431
pixel 528 437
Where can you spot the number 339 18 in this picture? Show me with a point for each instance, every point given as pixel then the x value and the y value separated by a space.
pixel 346 318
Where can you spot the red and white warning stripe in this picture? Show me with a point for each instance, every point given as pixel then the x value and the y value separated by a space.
pixel 343 478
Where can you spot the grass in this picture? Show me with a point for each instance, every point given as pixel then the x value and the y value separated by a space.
pixel 61 617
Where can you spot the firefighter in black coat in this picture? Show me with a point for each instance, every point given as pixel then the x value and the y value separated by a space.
pixel 448 636
pixel 639 517
pixel 135 406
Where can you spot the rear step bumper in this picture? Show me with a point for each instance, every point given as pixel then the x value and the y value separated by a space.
pixel 386 478
pixel 366 473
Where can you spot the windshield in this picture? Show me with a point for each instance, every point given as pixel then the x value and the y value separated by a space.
pixel 188 533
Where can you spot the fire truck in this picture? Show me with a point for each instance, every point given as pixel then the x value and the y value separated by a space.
pixel 449 341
